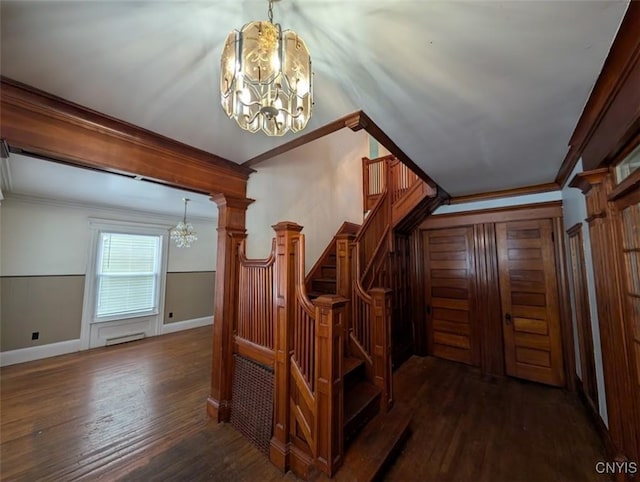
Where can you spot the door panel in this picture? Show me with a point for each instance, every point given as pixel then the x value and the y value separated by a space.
pixel 449 294
pixel 529 297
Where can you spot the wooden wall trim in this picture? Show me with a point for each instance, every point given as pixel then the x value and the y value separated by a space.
pixel 510 213
pixel 518 191
pixel 612 109
pixel 38 123
pixel 566 320
pixel 597 421
pixel 305 138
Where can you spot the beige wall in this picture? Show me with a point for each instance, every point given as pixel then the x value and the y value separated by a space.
pixel 44 255
pixel 189 296
pixel 50 305
pixel 318 186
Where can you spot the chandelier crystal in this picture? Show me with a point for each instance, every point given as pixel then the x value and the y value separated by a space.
pixel 183 234
pixel 266 78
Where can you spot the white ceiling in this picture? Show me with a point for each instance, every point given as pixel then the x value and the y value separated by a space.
pixel 483 95
pixel 35 178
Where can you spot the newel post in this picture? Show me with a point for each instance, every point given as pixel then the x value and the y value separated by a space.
pixel 344 275
pixel 287 235
pixel 381 337
pixel 329 333
pixel 231 232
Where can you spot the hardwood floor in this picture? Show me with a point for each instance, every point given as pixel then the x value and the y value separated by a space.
pixel 473 427
pixel 136 412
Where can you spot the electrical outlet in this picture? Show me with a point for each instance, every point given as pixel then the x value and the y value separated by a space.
pixel 35 335
pixel 171 314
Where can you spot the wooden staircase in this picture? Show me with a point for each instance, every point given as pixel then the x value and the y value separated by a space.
pixel 321 280
pixel 323 341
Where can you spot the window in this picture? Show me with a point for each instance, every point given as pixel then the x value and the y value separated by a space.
pixel 628 165
pixel 127 275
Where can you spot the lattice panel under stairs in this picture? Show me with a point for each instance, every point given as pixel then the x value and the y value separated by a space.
pixel 252 402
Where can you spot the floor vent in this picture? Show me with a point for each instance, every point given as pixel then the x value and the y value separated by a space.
pixel 124 339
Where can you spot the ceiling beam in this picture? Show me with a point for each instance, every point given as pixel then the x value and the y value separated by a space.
pixel 305 138
pixel 355 121
pixel 611 116
pixel 41 124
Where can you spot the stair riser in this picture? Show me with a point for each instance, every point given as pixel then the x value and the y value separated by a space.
pixel 353 426
pixel 353 377
pixel 329 272
pixel 328 287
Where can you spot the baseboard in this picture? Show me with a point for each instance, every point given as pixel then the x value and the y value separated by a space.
pixel 186 325
pixel 597 421
pixel 31 353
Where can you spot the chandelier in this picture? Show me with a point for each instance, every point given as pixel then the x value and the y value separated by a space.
pixel 183 234
pixel 266 78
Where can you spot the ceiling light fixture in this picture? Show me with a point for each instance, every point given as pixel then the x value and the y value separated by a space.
pixel 266 78
pixel 183 234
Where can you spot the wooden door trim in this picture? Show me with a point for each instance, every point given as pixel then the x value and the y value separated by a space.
pixel 525 212
pixel 583 325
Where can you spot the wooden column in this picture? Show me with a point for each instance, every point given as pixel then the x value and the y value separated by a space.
pixel 604 232
pixel 287 236
pixel 231 232
pixel 330 313
pixel 381 336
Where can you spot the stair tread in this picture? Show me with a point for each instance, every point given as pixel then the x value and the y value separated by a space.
pixel 357 399
pixel 325 280
pixel 375 445
pixel 350 364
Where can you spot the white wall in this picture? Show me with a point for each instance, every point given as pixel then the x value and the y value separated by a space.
pixel 52 238
pixel 575 211
pixel 318 186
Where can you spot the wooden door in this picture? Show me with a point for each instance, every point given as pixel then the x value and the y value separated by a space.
pixel 529 296
pixel 449 294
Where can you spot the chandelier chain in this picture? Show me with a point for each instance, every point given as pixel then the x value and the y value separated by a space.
pixel 270 11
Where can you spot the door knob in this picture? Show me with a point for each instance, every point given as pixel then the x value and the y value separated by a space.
pixel 507 318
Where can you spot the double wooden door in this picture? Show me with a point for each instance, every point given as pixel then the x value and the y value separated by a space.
pixel 528 296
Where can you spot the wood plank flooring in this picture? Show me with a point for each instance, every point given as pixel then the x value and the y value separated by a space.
pixel 136 412
pixel 472 427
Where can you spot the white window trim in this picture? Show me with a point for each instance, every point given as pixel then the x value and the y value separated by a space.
pixel 98 226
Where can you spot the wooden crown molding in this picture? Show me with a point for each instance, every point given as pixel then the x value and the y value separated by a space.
pixel 38 123
pixel 611 114
pixel 518 191
pixel 551 209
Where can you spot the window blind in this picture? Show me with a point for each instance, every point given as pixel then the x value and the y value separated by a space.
pixel 127 274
